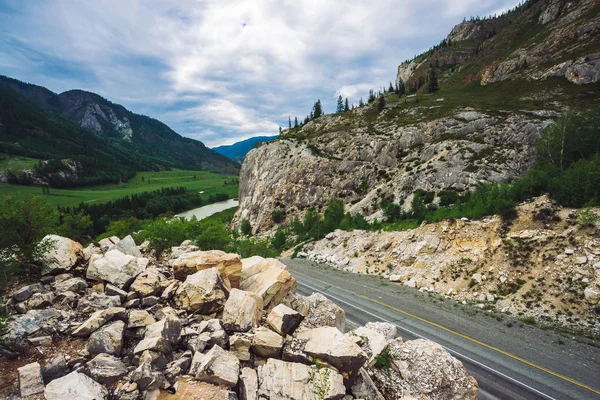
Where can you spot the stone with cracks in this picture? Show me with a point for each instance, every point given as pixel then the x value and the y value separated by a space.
pixel 243 311
pixel 248 384
pixel 285 380
pixel 77 285
pixel 321 312
pixel 388 330
pixel 35 302
pixel 117 268
pixel 127 246
pixel 266 343
pixel 371 341
pixel 239 345
pixel 204 292
pixel 215 331
pixel 139 319
pixel 30 379
pixel 329 345
pixel 421 368
pixel 189 389
pixel 268 278
pixel 97 319
pixel 162 336
pixel 108 339
pixel 148 283
pixel 55 368
pixel 106 369
pixel 97 301
pixel 284 320
pixel 229 265
pixel 63 255
pixel 75 386
pixel 218 366
pixel 26 292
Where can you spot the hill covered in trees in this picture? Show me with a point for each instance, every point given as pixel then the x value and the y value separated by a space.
pixel 81 138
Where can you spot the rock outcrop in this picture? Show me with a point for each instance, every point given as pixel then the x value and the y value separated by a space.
pixel 206 340
pixel 542 266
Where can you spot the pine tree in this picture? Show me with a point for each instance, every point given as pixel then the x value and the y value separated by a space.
pixel 295 122
pixel 317 110
pixel 391 88
pixel 290 122
pixel 434 85
pixel 361 102
pixel 381 103
pixel 371 96
pixel 346 105
pixel 340 105
pixel 400 87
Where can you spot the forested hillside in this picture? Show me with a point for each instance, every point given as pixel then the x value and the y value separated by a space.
pixel 80 138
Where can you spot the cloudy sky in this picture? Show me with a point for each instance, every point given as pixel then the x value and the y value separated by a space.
pixel 222 70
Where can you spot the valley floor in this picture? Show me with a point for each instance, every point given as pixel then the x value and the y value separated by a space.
pixel 509 359
pixel 208 182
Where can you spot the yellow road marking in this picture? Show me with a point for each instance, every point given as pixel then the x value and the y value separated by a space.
pixel 546 370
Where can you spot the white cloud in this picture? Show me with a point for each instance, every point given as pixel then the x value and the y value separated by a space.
pixel 230 68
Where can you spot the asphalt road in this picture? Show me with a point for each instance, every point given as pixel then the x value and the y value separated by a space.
pixel 509 362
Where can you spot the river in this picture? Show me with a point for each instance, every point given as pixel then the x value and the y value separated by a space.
pixel 208 210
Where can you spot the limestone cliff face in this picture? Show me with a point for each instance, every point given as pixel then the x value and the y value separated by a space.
pixel 543 266
pixel 361 162
pixel 545 39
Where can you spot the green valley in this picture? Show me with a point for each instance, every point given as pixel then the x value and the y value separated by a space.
pixel 208 182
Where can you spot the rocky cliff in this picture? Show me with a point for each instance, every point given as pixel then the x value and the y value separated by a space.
pixel 111 322
pixel 545 266
pixel 536 41
pixel 480 127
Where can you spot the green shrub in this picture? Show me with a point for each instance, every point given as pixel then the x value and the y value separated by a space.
pixel 586 217
pixel 277 216
pixel 246 228
pixel 384 359
pixel 23 223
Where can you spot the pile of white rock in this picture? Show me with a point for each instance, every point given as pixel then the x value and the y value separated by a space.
pixel 206 324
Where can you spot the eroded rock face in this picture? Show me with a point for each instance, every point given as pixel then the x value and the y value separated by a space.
pixel 229 265
pixel 293 175
pixel 107 340
pixel 106 369
pixel 423 368
pixel 321 312
pixel 64 254
pixel 203 292
pixel 267 278
pixel 284 380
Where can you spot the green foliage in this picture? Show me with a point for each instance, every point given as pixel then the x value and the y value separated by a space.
pixel 381 103
pixel 278 241
pixel 586 217
pixel 384 359
pixel 122 227
pixel 277 216
pixel 433 85
pixel 246 228
pixel 23 223
pixel 77 226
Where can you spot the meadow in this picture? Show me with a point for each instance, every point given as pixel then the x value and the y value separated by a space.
pixel 208 182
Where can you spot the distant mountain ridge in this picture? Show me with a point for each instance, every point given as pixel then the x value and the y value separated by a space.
pixel 84 126
pixel 237 151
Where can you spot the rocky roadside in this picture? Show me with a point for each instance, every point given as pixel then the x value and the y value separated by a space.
pixel 544 266
pixel 111 322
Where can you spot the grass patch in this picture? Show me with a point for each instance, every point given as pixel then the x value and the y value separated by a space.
pixel 209 182
pixel 12 163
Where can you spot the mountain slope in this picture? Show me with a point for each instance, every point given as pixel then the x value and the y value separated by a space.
pixel 76 124
pixel 237 151
pixel 470 132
